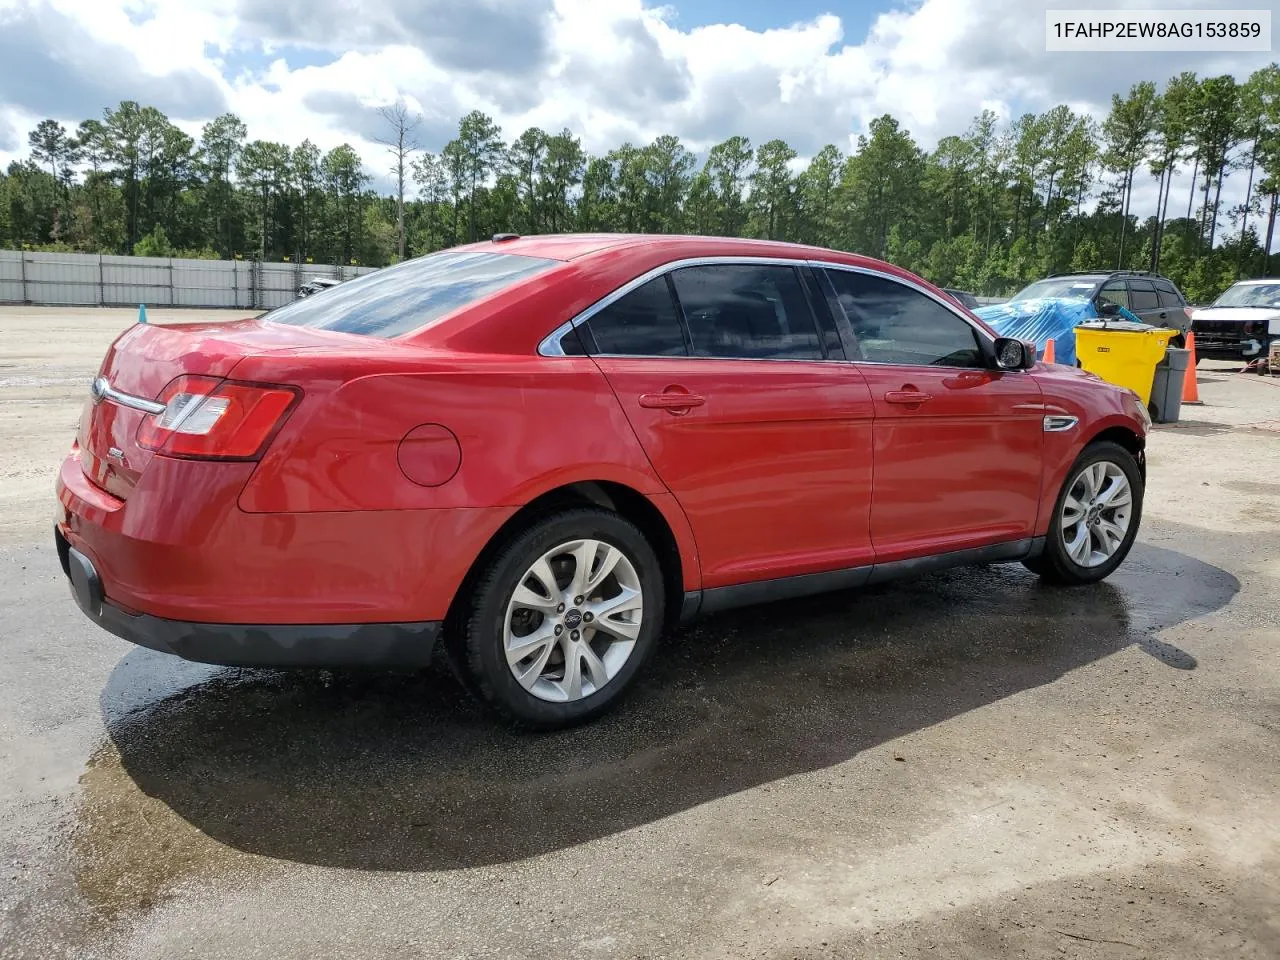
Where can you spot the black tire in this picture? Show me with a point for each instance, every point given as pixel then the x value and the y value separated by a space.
pixel 1054 565
pixel 483 629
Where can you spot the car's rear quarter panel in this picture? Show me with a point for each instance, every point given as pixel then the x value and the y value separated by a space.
pixel 523 424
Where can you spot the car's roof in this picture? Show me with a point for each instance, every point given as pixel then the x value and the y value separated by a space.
pixel 1255 281
pixel 595 265
pixel 571 246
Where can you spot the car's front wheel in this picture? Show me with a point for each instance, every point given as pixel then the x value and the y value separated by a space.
pixel 563 617
pixel 1095 519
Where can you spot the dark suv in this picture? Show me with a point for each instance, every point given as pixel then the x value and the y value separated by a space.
pixel 1150 297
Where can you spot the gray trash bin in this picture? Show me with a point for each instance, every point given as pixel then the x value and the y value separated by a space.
pixel 1166 390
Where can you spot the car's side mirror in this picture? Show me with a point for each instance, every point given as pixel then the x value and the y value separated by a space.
pixel 1108 309
pixel 1013 354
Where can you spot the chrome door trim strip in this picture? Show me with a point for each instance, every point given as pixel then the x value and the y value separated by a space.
pixel 550 345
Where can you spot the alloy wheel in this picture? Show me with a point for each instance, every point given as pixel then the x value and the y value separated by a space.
pixel 573 620
pixel 1096 513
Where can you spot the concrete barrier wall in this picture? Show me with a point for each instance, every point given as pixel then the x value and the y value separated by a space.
pixel 76 279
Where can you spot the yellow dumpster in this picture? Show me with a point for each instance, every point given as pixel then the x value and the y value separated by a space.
pixel 1123 352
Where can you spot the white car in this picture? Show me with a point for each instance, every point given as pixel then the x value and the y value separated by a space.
pixel 1241 324
pixel 316 284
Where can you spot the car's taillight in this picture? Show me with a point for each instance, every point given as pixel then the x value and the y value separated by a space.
pixel 209 418
pixel 1188 311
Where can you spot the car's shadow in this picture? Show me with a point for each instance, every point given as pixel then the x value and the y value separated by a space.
pixel 385 772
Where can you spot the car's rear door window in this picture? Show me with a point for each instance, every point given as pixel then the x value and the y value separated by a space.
pixel 747 311
pixel 1142 296
pixel 894 323
pixel 642 323
pixel 411 295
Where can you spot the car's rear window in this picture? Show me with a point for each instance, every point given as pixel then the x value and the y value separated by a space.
pixel 411 295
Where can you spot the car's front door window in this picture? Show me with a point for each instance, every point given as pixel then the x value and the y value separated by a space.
pixel 1168 295
pixel 1142 296
pixel 894 323
pixel 1116 293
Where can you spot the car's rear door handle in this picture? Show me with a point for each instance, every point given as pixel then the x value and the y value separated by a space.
pixel 906 396
pixel 671 401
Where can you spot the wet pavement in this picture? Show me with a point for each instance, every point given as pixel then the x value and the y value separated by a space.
pixel 967 764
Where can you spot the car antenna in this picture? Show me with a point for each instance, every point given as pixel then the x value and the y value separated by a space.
pixel 500 237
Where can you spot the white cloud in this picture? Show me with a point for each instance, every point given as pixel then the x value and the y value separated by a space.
pixel 610 70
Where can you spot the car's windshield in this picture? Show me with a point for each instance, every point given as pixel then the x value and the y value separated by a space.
pixel 409 296
pixel 1067 288
pixel 1250 295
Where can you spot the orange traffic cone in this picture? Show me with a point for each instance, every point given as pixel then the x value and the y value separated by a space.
pixel 1190 390
pixel 1048 353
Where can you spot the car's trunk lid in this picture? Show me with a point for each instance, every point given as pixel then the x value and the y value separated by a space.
pixel 142 362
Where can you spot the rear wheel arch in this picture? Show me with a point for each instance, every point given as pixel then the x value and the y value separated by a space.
pixel 618 498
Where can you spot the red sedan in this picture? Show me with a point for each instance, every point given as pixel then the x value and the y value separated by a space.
pixel 544 451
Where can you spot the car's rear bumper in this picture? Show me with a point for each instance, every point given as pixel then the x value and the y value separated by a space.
pixel 181 549
pixel 249 645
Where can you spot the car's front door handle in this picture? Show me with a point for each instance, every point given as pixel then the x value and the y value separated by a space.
pixel 906 396
pixel 671 400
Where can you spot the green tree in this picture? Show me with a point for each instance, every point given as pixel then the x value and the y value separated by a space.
pixel 1128 132
pixel 345 179
pixel 1175 117
pixel 1260 116
pixel 729 166
pixel 773 201
pixel 263 167
pixel 480 140
pixel 1216 130
pixel 307 178
pixel 880 186
pixel 668 169
pixel 526 158
pixel 563 169
pixel 221 142
pixel 818 192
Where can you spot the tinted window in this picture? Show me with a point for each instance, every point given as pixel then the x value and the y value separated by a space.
pixel 411 295
pixel 822 311
pixel 1070 288
pixel 751 311
pixel 1116 293
pixel 896 324
pixel 641 324
pixel 1142 296
pixel 1168 294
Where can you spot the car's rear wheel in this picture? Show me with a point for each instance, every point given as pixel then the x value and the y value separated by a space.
pixel 1095 519
pixel 563 617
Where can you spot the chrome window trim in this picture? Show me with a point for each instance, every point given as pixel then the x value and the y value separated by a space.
pixel 550 344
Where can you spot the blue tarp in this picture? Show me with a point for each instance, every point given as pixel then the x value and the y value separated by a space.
pixel 1039 321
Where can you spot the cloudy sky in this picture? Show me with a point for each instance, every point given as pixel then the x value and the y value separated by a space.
pixel 809 71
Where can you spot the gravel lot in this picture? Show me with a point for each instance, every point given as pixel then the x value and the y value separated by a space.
pixel 966 765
